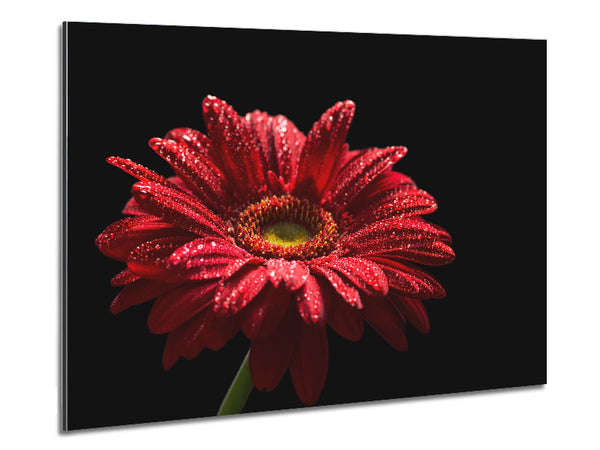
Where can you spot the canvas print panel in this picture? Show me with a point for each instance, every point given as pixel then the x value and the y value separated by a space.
pixel 270 219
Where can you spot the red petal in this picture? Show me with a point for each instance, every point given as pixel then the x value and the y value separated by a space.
pixel 235 147
pixel 312 301
pixel 123 236
pixel 388 234
pixel 193 331
pixel 138 292
pixel 409 280
pixel 270 357
pixel 198 173
pixel 289 142
pixel 219 330
pixel 173 348
pixel 179 183
pixel 178 208
pixel 413 310
pixel 348 156
pixel 429 253
pixel 362 273
pixel 182 342
pixel 148 260
pixel 384 182
pixel 261 125
pixel 323 148
pixel 281 143
pixel 358 173
pixel 263 315
pixel 384 318
pixel 205 258
pixel 309 364
pixel 443 234
pixel 292 273
pixel 124 277
pixel 275 183
pixel 236 292
pixel 193 140
pixel 345 320
pixel 131 207
pixel 176 307
pixel 394 203
pixel 347 292
pixel 140 172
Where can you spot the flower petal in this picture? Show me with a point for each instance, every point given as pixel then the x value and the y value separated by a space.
pixel 321 153
pixel 386 181
pixel 179 183
pixel 193 331
pixel 219 330
pixel 171 310
pixel 308 367
pixel 281 143
pixel 205 258
pixel 123 236
pixel 177 208
pixel 393 203
pixel 312 301
pixel 271 356
pixel 140 172
pixel 276 184
pixel 139 292
pixel 264 314
pixel 193 140
pixel 181 342
pixel 197 172
pixel 345 320
pixel 124 277
pixel 148 259
pixel 173 348
pixel 358 173
pixel 443 234
pixel 409 280
pixel 388 234
pixel 261 125
pixel 342 287
pixel 362 273
pixel 132 208
pixel 236 292
pixel 384 318
pixel 235 148
pixel 293 274
pixel 348 156
pixel 413 310
pixel 430 253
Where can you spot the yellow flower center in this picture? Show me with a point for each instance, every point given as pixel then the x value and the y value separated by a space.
pixel 286 227
pixel 286 234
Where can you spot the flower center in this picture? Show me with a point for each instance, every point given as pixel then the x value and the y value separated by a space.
pixel 286 227
pixel 286 234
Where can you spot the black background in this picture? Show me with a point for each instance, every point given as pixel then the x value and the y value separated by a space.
pixel 472 113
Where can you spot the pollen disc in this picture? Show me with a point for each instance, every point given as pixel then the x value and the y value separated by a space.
pixel 286 227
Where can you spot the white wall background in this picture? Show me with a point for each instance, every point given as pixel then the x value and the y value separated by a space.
pixel 561 415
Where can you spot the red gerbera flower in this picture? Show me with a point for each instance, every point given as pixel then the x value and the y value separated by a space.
pixel 275 234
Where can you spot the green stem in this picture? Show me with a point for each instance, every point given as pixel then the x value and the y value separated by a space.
pixel 238 392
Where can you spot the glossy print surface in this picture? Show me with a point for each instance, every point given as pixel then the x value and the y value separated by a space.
pixel 471 113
